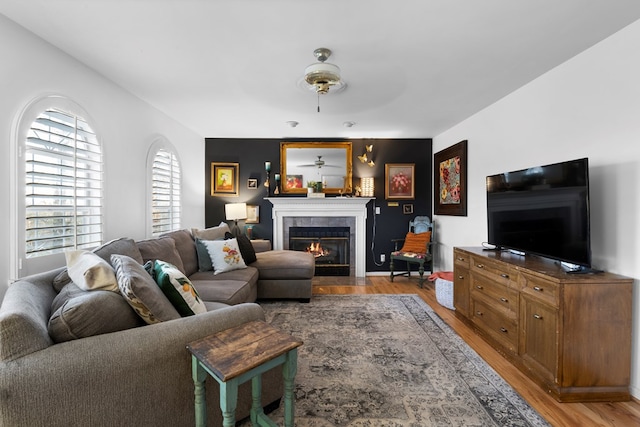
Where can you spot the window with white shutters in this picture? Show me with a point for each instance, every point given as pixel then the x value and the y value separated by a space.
pixel 63 184
pixel 165 192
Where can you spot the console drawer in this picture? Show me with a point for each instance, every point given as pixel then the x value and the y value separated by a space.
pixel 497 294
pixel 498 272
pixel 500 327
pixel 541 289
pixel 460 259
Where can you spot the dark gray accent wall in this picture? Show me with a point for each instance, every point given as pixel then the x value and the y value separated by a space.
pixel 392 223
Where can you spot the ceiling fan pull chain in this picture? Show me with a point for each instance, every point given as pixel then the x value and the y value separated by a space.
pixel 318 103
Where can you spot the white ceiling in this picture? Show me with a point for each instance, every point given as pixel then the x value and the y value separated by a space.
pixel 230 68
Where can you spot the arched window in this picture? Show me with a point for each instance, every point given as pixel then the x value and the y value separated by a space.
pixel 56 184
pixel 165 189
pixel 63 184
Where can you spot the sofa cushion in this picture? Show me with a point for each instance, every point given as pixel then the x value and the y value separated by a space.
pixel 122 246
pixel 285 264
pixel 225 255
pixel 90 272
pixel 79 314
pixel 141 292
pixel 178 289
pixel 212 233
pixel 163 249
pixel 246 248
pixel 229 292
pixel 185 245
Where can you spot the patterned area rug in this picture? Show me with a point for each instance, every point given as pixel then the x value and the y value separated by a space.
pixel 390 361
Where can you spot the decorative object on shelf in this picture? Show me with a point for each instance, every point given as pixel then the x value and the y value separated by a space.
pixel 253 214
pixel 364 159
pixel 399 181
pixel 267 183
pixel 367 188
pixel 322 77
pixel 450 180
pixel 224 179
pixel 252 183
pixel 234 212
pixel 276 189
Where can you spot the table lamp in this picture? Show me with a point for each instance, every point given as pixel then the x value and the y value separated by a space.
pixel 234 212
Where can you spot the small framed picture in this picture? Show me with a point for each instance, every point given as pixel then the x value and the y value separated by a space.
pixel 407 209
pixel 253 214
pixel 252 184
pixel 224 179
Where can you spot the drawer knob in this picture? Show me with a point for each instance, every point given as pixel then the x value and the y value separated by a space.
pixel 460 258
pixel 461 277
pixel 537 316
pixel 479 287
pixel 537 288
pixel 503 299
pixel 479 313
pixel 504 330
pixel 506 276
pixel 480 266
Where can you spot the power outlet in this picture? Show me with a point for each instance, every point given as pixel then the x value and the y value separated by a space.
pixel 377 210
pixel 382 257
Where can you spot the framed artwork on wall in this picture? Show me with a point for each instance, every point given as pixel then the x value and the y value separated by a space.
pixel 450 180
pixel 224 179
pixel 253 214
pixel 407 208
pixel 252 183
pixel 399 181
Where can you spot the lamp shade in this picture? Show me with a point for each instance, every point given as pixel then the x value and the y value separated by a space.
pixel 366 185
pixel 235 211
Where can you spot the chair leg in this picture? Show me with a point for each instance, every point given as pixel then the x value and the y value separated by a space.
pixel 408 269
pixel 391 268
pixel 421 272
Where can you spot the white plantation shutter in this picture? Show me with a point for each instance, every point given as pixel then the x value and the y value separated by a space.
pixel 165 198
pixel 63 194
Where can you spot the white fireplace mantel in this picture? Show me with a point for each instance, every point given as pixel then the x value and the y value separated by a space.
pixel 324 207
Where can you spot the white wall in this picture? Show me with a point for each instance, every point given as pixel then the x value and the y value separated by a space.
pixel 127 127
pixel 586 107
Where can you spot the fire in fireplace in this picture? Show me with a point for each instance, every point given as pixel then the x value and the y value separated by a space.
pixel 329 246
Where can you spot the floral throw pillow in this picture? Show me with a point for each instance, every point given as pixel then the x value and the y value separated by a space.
pixel 178 289
pixel 225 255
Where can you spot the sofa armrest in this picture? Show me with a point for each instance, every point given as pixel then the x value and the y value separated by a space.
pixel 260 245
pixel 140 376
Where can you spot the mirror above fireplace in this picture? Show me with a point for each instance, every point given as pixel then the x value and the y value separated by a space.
pixel 325 162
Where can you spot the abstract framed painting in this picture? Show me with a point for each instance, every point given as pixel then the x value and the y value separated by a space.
pixel 224 179
pixel 450 180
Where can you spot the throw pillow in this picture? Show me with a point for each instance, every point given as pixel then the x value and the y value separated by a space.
pixel 80 314
pixel 416 242
pixel 178 289
pixel 246 248
pixel 122 246
pixel 142 292
pixel 204 259
pixel 212 233
pixel 225 255
pixel 90 272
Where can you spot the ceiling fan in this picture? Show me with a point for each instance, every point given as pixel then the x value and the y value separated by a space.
pixel 318 164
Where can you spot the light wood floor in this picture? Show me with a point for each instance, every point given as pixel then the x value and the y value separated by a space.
pixel 558 414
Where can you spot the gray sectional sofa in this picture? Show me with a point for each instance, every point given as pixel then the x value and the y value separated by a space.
pixel 111 368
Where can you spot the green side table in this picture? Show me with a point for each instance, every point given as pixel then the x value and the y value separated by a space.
pixel 237 355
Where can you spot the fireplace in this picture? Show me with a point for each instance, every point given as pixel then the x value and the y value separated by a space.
pixel 323 211
pixel 329 245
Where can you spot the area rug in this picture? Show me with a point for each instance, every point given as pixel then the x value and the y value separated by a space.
pixel 390 361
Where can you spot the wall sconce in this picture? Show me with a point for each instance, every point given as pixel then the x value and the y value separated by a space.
pixel 364 158
pixel 367 187
pixel 234 212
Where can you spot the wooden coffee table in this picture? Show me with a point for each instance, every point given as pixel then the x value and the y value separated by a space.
pixel 239 354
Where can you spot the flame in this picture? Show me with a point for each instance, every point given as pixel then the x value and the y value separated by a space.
pixel 317 250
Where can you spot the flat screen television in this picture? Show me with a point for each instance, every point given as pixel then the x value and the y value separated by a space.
pixel 542 210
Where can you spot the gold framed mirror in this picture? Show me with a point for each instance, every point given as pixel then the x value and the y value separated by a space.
pixel 302 163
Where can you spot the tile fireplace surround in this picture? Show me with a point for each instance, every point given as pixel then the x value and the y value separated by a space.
pixel 351 210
